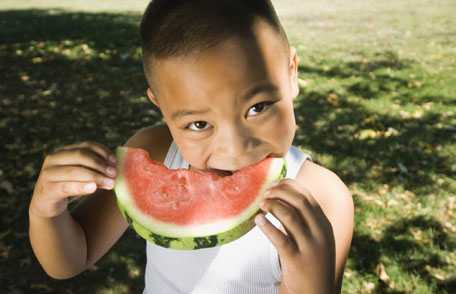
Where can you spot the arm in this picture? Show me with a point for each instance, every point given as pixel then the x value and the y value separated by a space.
pixel 70 242
pixel 100 216
pixel 336 202
pixel 66 245
pixel 316 210
pixel 58 241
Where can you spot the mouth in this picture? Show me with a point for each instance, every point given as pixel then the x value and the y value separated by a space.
pixel 224 173
pixel 220 172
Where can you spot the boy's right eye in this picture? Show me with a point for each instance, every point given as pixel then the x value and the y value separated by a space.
pixel 197 126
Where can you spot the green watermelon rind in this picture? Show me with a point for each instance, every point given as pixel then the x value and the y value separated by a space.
pixel 191 237
pixel 191 243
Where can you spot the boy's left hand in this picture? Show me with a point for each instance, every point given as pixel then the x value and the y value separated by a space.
pixel 307 247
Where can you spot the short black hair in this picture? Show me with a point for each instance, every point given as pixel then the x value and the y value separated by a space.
pixel 172 28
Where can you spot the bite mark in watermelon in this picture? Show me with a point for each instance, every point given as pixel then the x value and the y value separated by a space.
pixel 186 209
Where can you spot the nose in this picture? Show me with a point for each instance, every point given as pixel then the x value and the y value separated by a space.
pixel 233 147
pixel 231 141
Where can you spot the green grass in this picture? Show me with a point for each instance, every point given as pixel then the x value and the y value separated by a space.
pixel 377 106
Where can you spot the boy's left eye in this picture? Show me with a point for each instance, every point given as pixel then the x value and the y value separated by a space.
pixel 259 107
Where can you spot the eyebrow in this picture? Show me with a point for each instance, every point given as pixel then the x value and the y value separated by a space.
pixel 263 87
pixel 259 88
pixel 184 112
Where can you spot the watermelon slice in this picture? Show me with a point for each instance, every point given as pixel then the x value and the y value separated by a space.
pixel 186 209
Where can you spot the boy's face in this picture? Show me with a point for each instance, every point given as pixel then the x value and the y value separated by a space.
pixel 232 105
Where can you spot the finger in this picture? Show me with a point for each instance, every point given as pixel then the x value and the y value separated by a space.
pixel 84 157
pixel 285 247
pixel 291 219
pixel 74 173
pixel 98 148
pixel 68 189
pixel 303 190
pixel 297 199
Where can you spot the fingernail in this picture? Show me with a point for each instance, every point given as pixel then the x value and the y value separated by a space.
pixel 90 187
pixel 111 171
pixel 112 158
pixel 108 183
pixel 260 220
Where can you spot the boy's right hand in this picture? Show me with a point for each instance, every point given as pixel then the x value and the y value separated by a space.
pixel 72 171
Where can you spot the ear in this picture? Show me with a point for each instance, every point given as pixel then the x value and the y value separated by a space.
pixel 293 71
pixel 152 97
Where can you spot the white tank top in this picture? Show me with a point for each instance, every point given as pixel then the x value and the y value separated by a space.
pixel 248 265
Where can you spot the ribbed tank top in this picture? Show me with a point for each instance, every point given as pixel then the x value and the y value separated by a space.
pixel 248 265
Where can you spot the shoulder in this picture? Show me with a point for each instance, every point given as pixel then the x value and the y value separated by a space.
pixel 155 140
pixel 334 198
pixel 328 189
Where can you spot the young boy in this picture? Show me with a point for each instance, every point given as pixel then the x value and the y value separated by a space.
pixel 224 77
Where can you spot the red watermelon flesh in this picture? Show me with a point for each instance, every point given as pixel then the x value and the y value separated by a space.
pixel 182 203
pixel 186 197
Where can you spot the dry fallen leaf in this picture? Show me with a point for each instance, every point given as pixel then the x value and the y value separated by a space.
pixel 383 275
pixel 367 134
pixel 380 270
pixel 333 99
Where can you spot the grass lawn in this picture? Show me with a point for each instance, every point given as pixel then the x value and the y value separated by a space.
pixel 377 106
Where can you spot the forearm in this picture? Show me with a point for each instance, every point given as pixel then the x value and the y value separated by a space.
pixel 59 244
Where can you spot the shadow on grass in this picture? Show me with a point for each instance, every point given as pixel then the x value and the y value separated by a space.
pixel 407 157
pixel 402 249
pixel 66 77
pixel 382 75
pixel 101 30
